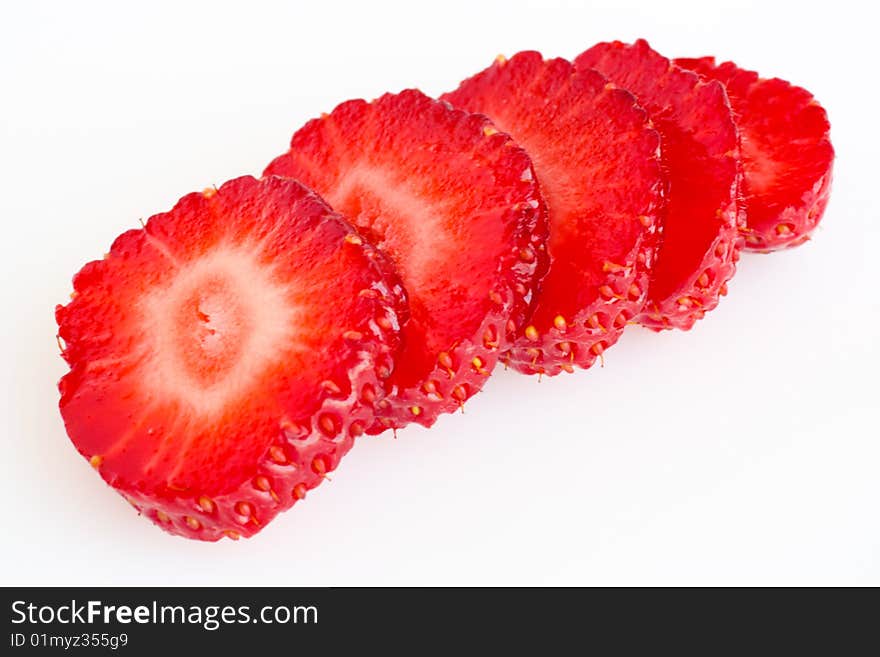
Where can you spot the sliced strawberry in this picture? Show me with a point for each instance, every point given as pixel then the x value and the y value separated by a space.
pixel 597 161
pixel 221 356
pixel 455 205
pixel 701 154
pixel 786 150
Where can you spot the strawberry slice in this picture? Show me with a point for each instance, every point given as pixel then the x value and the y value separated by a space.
pixel 700 151
pixel 224 357
pixel 786 150
pixel 455 205
pixel 597 161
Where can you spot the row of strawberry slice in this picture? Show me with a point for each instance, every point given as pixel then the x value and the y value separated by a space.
pixel 224 357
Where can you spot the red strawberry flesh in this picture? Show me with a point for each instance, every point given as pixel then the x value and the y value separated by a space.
pixel 455 205
pixel 787 154
pixel 219 355
pixel 701 154
pixel 597 161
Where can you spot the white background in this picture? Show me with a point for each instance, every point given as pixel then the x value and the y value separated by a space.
pixel 743 452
